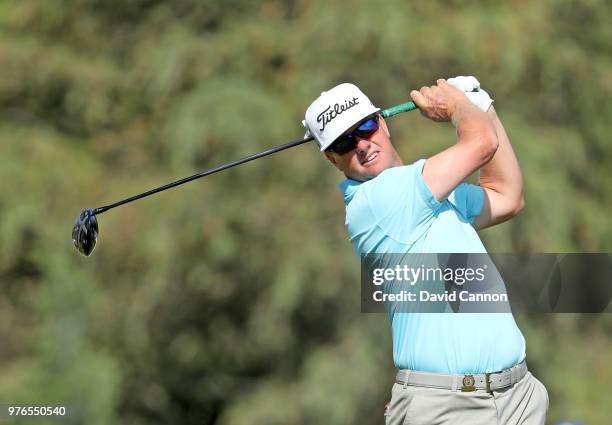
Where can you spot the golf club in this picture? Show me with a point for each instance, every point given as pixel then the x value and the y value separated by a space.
pixel 85 230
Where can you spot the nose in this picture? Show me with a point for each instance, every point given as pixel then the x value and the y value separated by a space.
pixel 362 145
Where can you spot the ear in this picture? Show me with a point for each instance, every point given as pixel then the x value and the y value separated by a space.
pixel 330 157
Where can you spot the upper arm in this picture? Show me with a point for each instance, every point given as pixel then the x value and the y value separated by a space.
pixel 483 206
pixel 496 208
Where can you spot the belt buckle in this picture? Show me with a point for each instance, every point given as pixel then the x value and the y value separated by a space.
pixel 468 383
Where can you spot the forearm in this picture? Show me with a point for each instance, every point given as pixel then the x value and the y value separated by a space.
pixel 476 128
pixel 476 137
pixel 502 173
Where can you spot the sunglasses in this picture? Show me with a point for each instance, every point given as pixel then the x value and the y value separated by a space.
pixel 347 142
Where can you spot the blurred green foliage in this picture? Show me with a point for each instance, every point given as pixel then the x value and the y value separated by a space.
pixel 236 299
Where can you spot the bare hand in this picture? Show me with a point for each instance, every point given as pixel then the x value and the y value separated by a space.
pixel 439 102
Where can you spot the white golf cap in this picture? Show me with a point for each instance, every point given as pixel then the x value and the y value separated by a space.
pixel 335 111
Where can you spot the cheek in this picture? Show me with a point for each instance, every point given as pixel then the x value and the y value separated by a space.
pixel 347 161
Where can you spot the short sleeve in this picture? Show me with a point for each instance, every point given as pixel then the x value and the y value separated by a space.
pixel 401 202
pixel 468 199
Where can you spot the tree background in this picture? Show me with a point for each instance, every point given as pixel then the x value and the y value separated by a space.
pixel 236 299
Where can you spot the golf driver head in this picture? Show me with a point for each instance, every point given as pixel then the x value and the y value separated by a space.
pixel 85 232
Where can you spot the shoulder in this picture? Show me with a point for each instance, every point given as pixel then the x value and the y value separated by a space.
pixel 398 188
pixel 395 176
pixel 404 184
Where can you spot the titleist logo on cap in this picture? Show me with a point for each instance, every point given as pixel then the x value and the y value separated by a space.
pixel 330 112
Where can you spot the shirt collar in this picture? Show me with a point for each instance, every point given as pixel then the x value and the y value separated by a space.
pixel 348 188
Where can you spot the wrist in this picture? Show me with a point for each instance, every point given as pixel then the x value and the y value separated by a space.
pixel 461 109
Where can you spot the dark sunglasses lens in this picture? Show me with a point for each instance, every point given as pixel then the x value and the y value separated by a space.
pixel 370 126
pixel 347 142
pixel 343 144
pixel 85 232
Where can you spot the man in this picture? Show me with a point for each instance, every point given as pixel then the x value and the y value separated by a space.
pixel 453 368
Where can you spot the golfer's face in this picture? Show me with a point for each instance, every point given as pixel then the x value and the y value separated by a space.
pixel 371 155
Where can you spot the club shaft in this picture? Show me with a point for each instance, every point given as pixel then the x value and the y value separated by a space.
pixel 205 173
pixel 389 112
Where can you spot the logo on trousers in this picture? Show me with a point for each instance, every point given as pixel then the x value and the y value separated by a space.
pixel 468 383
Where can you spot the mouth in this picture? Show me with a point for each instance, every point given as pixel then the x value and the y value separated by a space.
pixel 370 159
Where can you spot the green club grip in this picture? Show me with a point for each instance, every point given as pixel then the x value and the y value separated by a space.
pixel 398 109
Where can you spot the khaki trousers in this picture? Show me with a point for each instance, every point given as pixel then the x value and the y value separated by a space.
pixel 525 403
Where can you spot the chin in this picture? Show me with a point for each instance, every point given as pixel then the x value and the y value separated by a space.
pixel 362 173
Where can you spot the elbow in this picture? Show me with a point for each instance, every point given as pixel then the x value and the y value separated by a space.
pixel 515 207
pixel 509 210
pixel 519 205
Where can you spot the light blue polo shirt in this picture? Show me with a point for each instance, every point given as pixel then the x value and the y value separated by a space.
pixel 396 212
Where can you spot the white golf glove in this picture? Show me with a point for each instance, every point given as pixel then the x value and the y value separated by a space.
pixel 471 87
